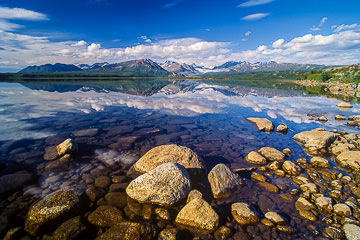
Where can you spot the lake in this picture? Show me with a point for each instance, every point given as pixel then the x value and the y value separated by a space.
pixel 115 123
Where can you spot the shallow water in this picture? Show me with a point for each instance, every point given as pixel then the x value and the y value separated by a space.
pixel 128 119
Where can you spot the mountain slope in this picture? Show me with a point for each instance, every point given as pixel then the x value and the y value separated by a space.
pixel 183 69
pixel 49 68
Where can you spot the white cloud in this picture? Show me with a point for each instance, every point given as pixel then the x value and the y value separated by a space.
pixel 278 43
pixel 343 27
pixel 322 21
pixel 247 33
pixel 21 13
pixel 255 16
pixel 8 26
pixel 79 43
pixel 252 3
pixel 317 28
pixel 146 39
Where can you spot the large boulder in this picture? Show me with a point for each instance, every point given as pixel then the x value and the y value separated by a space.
pixel 349 159
pixel 316 138
pixel 198 217
pixel 170 153
pixel 50 210
pixel 262 124
pixel 14 181
pixel 222 180
pixel 164 185
pixel 243 214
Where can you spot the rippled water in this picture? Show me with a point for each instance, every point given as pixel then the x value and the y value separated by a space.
pixel 129 118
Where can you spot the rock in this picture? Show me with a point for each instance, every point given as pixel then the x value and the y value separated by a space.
pixel 168 234
pixel 194 194
pixel 274 166
pixel 69 229
pixel 259 177
pixel 304 208
pixel 340 118
pixel 128 231
pixel 349 159
pixel 272 154
pixel 282 129
pixel 102 181
pixel 67 147
pixel 86 132
pixel 94 193
pixel 268 186
pixel 222 233
pixel 291 168
pixel 352 231
pixel 46 211
pixel 170 153
pixel 117 199
pixel 324 204
pixel 262 124
pixel 343 105
pixel 13 234
pixel 50 153
pixel 342 210
pixel 163 213
pixel 333 233
pixel 315 138
pixel 322 119
pixel 275 218
pixel 222 180
pixel 198 217
pixel 164 185
pixel 14 181
pixel 319 162
pixel 285 228
pixel 301 180
pixel 105 216
pixel 255 158
pixel 243 214
pixel 309 187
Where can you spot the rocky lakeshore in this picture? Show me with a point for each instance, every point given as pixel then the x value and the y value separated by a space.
pixel 171 192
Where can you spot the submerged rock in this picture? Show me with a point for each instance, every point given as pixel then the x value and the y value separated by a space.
pixel 68 230
pixel 349 159
pixel 105 216
pixel 262 124
pixel 170 153
pixel 46 211
pixel 316 138
pixel 243 214
pixel 164 185
pixel 14 181
pixel 222 180
pixel 197 216
pixel 275 218
pixel 128 231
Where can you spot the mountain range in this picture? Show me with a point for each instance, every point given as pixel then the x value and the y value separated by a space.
pixel 147 67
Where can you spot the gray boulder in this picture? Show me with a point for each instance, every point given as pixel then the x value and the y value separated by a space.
pixel 222 180
pixel 164 185
pixel 262 124
pixel 316 138
pixel 170 153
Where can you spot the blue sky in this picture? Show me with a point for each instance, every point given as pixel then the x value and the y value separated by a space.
pixel 202 32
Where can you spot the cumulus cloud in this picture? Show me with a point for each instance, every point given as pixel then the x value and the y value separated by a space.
pixel 247 33
pixel 21 13
pixel 278 43
pixel 255 16
pixel 252 3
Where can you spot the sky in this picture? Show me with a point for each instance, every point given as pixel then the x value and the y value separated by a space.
pixel 204 32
